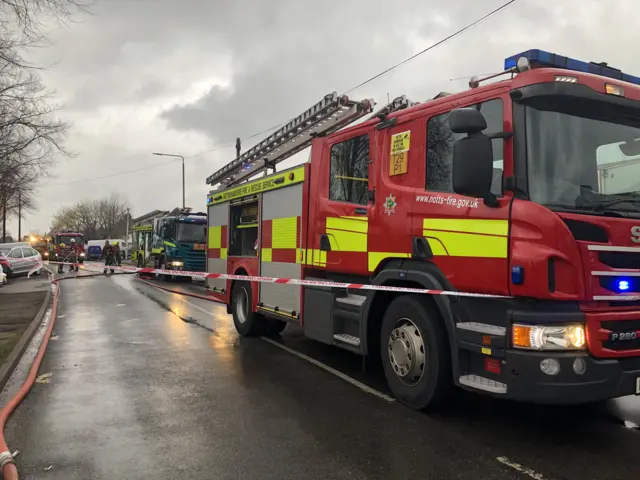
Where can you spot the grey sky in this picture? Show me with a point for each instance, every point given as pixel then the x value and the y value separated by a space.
pixel 138 76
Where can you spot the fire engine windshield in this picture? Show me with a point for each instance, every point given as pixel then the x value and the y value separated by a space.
pixel 66 239
pixel 191 233
pixel 583 163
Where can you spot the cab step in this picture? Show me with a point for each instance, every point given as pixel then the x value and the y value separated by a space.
pixel 350 299
pixel 482 383
pixel 348 339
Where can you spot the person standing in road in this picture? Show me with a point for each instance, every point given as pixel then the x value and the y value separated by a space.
pixel 108 254
pixel 73 256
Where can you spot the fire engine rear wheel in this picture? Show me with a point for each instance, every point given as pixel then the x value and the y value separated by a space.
pixel 248 323
pixel 415 352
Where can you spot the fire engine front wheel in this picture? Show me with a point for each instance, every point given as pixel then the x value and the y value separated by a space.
pixel 415 352
pixel 247 323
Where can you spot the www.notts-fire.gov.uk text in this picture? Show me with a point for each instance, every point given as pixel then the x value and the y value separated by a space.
pixel 447 200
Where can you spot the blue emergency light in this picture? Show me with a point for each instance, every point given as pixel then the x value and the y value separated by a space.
pixel 540 58
pixel 623 285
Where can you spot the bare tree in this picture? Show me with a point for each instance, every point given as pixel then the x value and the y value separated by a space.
pixel 104 218
pixel 30 134
pixel 22 22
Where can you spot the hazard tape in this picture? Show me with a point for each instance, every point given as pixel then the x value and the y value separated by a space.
pixel 282 281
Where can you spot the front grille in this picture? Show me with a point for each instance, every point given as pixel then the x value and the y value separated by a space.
pixel 628 260
pixel 195 261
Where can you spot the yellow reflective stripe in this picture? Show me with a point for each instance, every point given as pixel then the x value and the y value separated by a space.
pixel 266 255
pixel 376 257
pixel 273 182
pixel 347 234
pixel 247 225
pixel 437 248
pixel 169 244
pixel 215 237
pixel 316 258
pixel 157 250
pixel 469 244
pixel 223 253
pixel 352 224
pixel 283 232
pixel 347 241
pixel 467 225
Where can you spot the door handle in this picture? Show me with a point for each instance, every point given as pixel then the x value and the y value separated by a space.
pixel 325 244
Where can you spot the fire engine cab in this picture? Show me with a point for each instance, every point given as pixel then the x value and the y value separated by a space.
pixel 516 201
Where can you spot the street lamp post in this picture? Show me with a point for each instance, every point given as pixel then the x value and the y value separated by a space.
pixel 176 156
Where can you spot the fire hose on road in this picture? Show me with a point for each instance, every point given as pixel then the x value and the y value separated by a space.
pixel 7 460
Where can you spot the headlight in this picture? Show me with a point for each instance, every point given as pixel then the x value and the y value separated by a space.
pixel 545 337
pixel 177 264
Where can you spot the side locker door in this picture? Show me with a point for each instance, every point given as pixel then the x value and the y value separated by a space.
pixel 217 237
pixel 342 208
pixel 280 248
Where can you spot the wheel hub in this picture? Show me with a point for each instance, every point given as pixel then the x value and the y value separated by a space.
pixel 407 351
pixel 242 305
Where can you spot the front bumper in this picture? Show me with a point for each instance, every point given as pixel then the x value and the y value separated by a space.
pixel 603 379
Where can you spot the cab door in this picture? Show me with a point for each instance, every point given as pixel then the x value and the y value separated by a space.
pixel 469 240
pixel 342 204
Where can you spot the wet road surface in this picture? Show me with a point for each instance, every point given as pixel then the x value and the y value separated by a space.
pixel 148 384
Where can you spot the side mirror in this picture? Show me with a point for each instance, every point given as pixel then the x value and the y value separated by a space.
pixel 472 155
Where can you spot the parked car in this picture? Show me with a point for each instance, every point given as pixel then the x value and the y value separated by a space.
pixel 18 259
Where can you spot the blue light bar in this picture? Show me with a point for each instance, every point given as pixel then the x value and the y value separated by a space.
pixel 540 58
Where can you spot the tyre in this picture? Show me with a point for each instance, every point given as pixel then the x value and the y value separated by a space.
pixel 247 323
pixel 415 352
pixel 275 327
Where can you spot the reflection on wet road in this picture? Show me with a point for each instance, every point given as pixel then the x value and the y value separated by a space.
pixel 149 384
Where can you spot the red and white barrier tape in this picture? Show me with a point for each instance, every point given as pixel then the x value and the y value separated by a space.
pixel 283 281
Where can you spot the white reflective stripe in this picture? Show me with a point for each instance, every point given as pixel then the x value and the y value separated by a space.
pixel 612 248
pixel 616 273
pixel 617 298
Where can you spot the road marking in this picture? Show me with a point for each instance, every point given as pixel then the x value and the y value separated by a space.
pixel 327 368
pixel 61 316
pixel 520 468
pixel 346 378
pixel 44 378
pixel 121 305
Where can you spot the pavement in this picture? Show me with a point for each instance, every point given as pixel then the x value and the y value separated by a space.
pixel 20 302
pixel 143 384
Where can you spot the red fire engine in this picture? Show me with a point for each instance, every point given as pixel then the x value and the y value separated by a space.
pixel 526 188
pixel 61 245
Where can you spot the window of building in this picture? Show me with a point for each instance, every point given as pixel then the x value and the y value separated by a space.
pixel 349 173
pixel 243 230
pixel 440 140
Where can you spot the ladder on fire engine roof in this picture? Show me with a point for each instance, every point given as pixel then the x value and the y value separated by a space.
pixel 399 103
pixel 332 113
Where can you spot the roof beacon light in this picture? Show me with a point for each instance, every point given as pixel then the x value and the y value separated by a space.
pixel 542 59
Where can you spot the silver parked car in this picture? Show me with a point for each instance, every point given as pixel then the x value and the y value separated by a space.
pixel 18 259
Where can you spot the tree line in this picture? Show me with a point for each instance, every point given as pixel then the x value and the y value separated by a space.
pixel 97 219
pixel 31 134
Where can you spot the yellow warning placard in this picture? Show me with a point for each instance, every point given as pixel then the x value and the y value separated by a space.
pixel 398 163
pixel 400 142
